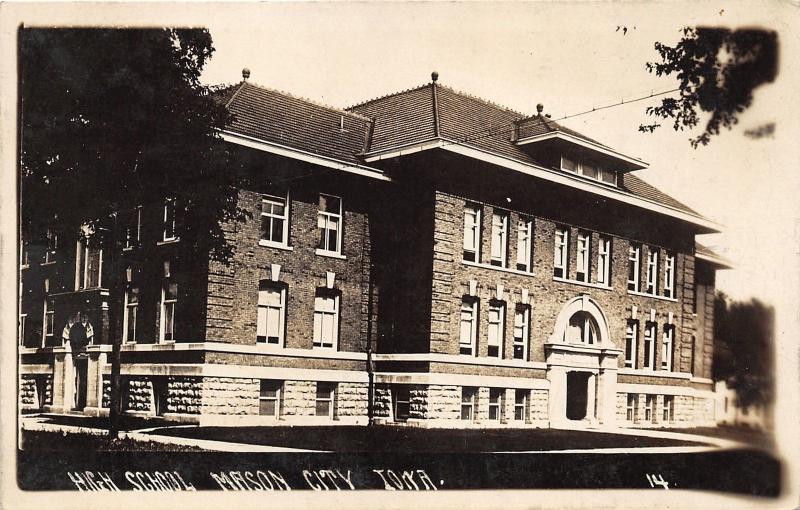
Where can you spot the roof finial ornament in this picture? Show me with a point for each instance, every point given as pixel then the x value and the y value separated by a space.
pixel 245 74
pixel 539 109
pixel 434 76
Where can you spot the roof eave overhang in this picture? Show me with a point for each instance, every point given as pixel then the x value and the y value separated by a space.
pixel 301 155
pixel 703 225
pixel 628 162
pixel 718 262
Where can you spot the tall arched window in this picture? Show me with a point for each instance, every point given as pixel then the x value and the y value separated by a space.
pixel 582 329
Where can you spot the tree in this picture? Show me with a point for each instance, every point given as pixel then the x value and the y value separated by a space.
pixel 744 348
pixel 115 119
pixel 717 70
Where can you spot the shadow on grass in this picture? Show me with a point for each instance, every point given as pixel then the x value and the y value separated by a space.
pixel 387 439
pixel 72 441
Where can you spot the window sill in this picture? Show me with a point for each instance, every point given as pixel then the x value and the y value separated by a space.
pixel 584 284
pixel 496 268
pixel 50 263
pixel 654 296
pixel 331 254
pixel 127 248
pixel 168 241
pixel 277 246
pixel 24 266
pixel 318 348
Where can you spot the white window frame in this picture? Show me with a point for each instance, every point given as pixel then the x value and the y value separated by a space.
pixel 604 261
pixel 281 309
pixel 126 316
pixel 652 271
pixel 169 204
pixel 669 276
pixel 524 245
pixel 499 248
pixel 649 408
pixel 668 410
pixel 579 169
pixel 496 330
pixel 472 233
pixel 172 304
pixel 521 406
pixel 468 306
pixel 561 252
pixel 589 330
pixel 648 363
pixel 48 321
pixel 631 344
pixel 320 316
pixel 631 402
pixel 399 390
pixel 634 266
pixel 270 200
pixel 130 239
pixel 469 396
pixel 522 314
pixel 23 320
pixel 666 348
pixel 584 254
pixel 51 246
pixel 330 398
pixel 82 266
pixel 324 221
pixel 276 398
pixel 24 255
pixel 496 405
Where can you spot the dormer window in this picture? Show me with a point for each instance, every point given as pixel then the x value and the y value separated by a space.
pixel 589 169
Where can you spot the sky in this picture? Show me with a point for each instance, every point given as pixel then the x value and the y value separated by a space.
pixel 571 58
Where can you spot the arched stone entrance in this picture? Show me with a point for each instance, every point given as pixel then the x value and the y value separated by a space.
pixel 582 367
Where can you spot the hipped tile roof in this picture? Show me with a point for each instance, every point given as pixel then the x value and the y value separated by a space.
pixel 415 115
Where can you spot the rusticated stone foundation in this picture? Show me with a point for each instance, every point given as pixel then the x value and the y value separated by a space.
pixel 227 395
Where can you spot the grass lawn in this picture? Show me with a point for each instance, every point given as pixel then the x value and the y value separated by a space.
pixel 741 434
pixel 353 439
pixel 93 422
pixel 60 441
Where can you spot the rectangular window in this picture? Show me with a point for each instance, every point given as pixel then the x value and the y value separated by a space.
pixel 666 348
pixel 634 261
pixel 269 398
pixel 130 313
pixel 609 176
pixel 275 220
pixel 669 408
pixel 496 404
pixel 271 314
pixel 170 223
pixel 468 403
pixel 561 252
pixel 631 338
pixel 329 224
pixel 24 255
pixel 51 246
pixel 49 323
pixel 520 404
pixel 584 243
pixel 23 319
pixel 652 271
pixel 649 345
pixel 469 326
pixel 669 275
pixel 649 408
pixel 630 408
pixel 524 244
pixel 326 321
pixel 402 402
pixel 589 170
pixel 499 239
pixel 169 299
pixel 88 266
pixel 325 399
pixel 521 328
pixel 693 355
pixel 472 233
pixel 132 231
pixel 496 331
pixel 568 164
pixel 604 261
